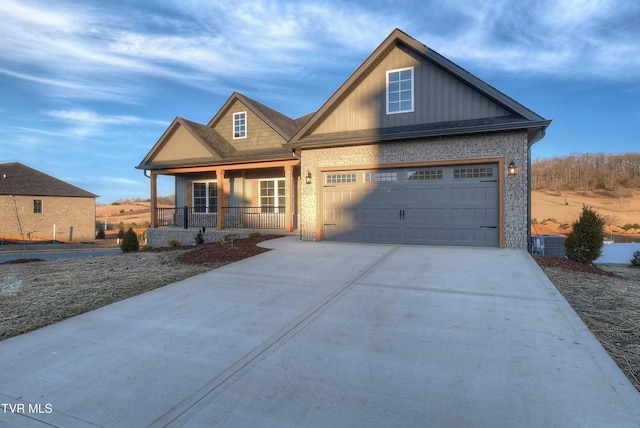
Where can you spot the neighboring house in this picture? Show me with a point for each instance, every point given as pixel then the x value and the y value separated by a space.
pixel 410 149
pixel 35 206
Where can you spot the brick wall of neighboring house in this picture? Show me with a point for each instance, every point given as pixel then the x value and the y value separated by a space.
pixel 512 146
pixel 74 218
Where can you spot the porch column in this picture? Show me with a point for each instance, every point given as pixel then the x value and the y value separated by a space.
pixel 154 200
pixel 221 196
pixel 288 190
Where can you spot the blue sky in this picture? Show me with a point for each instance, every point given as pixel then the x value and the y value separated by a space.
pixel 87 87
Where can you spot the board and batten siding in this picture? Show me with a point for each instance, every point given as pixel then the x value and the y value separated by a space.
pixel 259 134
pixel 438 97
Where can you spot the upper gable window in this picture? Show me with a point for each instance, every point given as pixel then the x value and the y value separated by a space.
pixel 400 90
pixel 240 125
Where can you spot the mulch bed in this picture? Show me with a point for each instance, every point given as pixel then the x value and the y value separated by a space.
pixel 17 261
pixel 226 251
pixel 564 263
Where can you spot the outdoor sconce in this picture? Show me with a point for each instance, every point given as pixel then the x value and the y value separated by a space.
pixel 308 178
pixel 512 169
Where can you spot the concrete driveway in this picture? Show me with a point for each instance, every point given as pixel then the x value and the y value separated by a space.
pixel 326 334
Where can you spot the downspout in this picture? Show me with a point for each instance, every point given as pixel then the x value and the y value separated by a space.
pixel 539 137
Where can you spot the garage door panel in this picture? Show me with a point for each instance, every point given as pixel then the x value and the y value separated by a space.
pixel 442 206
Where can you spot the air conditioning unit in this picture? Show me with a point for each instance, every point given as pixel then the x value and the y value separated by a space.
pixel 548 245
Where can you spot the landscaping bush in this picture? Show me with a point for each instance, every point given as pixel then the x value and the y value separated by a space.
pixel 636 259
pixel 584 242
pixel 255 234
pixel 174 243
pixel 129 242
pixel 120 234
pixel 200 236
pixel 101 234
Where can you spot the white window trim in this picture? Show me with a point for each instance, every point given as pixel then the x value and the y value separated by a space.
pixel 413 86
pixel 193 196
pixel 233 124
pixel 276 195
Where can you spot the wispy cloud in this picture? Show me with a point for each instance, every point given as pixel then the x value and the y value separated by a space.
pixel 91 118
pixel 570 38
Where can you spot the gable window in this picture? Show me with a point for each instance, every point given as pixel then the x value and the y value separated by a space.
pixel 400 90
pixel 37 206
pixel 272 196
pixel 240 125
pixel 205 197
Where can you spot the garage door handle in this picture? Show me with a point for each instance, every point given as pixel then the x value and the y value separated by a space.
pixel 488 227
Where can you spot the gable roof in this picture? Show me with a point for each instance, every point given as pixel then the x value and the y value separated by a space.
pixel 19 179
pixel 221 152
pixel 280 123
pixel 521 118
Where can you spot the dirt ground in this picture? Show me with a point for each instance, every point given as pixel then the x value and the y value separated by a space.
pixel 36 294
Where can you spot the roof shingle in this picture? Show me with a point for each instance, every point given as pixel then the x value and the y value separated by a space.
pixel 19 179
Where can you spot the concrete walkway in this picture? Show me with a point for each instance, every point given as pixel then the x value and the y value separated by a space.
pixel 326 334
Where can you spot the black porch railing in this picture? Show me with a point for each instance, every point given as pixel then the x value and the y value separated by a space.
pixel 254 217
pixel 234 217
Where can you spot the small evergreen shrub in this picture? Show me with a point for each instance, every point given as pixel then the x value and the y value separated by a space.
pixel 254 235
pixel 101 234
pixel 200 236
pixel 129 242
pixel 636 258
pixel 174 243
pixel 584 242
pixel 120 234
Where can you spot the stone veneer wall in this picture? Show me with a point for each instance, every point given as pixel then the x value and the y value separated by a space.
pixel 160 237
pixel 512 146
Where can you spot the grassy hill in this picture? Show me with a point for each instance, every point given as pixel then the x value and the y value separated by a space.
pixel 555 211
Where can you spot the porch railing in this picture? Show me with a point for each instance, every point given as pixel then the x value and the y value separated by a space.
pixel 254 217
pixel 234 217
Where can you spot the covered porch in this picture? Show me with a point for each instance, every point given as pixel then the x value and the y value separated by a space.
pixel 257 195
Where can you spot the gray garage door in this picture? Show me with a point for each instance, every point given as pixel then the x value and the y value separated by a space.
pixel 450 205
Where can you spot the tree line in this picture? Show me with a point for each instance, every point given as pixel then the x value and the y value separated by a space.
pixel 586 171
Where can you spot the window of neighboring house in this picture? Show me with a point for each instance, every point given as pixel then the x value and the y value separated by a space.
pixel 205 197
pixel 400 90
pixel 37 206
pixel 240 125
pixel 272 196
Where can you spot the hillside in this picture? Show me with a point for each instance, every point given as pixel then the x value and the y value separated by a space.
pixel 554 212
pixel 135 215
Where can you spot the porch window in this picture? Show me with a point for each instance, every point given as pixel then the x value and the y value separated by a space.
pixel 272 196
pixel 205 197
pixel 37 206
pixel 400 90
pixel 240 125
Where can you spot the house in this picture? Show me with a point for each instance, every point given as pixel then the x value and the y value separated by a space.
pixel 35 206
pixel 411 148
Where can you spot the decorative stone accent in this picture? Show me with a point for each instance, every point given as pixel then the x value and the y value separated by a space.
pixel 160 237
pixel 510 146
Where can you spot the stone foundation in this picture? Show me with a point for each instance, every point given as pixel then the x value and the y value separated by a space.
pixel 160 237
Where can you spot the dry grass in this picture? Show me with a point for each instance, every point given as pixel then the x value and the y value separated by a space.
pixel 610 307
pixel 36 294
pixel 33 295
